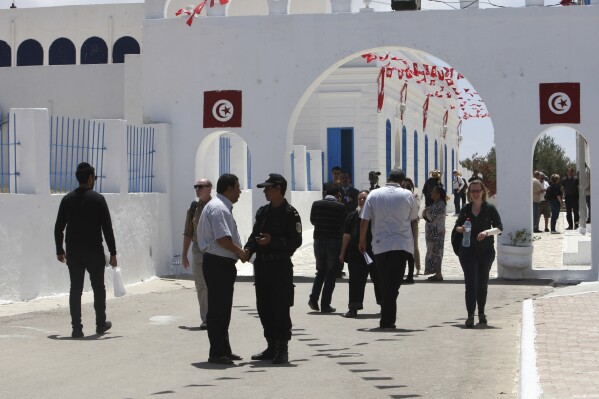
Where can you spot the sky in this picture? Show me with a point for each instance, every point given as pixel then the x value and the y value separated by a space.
pixel 478 133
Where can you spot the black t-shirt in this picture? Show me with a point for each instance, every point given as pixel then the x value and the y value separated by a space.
pixel 487 218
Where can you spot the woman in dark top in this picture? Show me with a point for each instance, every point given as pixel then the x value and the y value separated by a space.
pixel 477 259
pixel 554 196
pixel 356 263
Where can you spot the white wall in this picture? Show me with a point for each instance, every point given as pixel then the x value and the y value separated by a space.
pixel 28 263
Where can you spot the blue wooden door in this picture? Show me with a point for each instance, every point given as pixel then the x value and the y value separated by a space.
pixel 340 150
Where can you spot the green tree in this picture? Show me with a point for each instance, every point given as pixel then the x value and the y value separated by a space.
pixel 485 166
pixel 550 157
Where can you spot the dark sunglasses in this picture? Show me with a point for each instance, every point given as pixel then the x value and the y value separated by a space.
pixel 196 186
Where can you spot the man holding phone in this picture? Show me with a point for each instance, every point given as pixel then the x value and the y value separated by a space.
pixel 277 233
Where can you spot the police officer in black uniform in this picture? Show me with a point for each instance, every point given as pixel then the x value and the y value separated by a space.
pixel 277 233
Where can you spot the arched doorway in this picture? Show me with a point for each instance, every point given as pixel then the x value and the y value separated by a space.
pixel 125 45
pixel 62 52
pixel 30 52
pixel 94 51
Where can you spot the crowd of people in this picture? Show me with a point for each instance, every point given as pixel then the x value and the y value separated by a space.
pixel 550 194
pixel 374 231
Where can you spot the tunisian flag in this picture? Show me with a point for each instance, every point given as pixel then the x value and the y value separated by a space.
pixel 222 108
pixel 559 103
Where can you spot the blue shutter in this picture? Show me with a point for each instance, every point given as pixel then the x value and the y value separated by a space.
pixel 404 149
pixel 415 158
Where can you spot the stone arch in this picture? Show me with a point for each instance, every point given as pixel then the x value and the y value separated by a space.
pixel 210 156
pixel 62 52
pixel 5 54
pixel 124 45
pixel 94 51
pixel 30 52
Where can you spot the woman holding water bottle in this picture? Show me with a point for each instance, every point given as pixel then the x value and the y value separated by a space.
pixel 477 252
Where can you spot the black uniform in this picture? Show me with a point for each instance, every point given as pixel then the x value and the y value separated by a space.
pixel 273 269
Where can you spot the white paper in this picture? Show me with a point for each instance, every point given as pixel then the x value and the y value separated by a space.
pixel 367 258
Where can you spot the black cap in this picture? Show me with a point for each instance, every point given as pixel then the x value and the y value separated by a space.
pixel 274 179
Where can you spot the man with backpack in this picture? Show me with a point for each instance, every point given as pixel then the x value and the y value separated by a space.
pixel 203 189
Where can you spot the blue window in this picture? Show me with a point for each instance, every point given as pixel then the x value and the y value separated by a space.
pixel 425 157
pixel 404 149
pixel 453 166
pixel 415 158
pixel 388 148
pixel 436 155
pixel 445 164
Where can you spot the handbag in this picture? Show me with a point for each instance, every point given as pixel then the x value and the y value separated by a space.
pixel 456 241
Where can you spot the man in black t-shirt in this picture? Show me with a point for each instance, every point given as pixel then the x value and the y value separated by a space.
pixel 570 190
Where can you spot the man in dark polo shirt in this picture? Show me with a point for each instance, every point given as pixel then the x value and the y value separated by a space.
pixel 85 215
pixel 570 190
pixel 327 216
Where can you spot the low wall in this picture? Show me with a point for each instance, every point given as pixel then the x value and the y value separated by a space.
pixel 28 263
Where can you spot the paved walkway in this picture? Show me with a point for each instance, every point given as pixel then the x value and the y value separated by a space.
pixel 156 348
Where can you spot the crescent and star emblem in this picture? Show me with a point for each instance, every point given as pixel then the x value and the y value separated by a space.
pixel 223 110
pixel 559 103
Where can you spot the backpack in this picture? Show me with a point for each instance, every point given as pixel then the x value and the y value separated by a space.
pixel 192 208
pixel 463 190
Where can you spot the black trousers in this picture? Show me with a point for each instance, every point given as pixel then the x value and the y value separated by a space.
pixel 476 264
pixel 219 273
pixel 358 276
pixel 94 263
pixel 274 297
pixel 391 267
pixel 571 207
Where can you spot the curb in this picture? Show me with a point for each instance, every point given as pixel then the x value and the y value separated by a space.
pixel 530 387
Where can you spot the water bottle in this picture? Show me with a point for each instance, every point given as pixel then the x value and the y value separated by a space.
pixel 467 228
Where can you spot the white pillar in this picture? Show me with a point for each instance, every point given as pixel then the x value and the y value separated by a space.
pixel 114 163
pixel 29 132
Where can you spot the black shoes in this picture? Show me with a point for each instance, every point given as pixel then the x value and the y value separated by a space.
pixel 282 355
pixel 267 354
pixel 351 314
pixel 482 319
pixel 220 360
pixel 313 305
pixel 77 333
pixel 233 356
pixel 537 231
pixel 387 326
pixel 546 230
pixel 103 328
pixel 408 281
pixel 327 309
pixel 203 326
pixel 469 322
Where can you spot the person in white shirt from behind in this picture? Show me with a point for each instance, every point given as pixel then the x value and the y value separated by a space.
pixel 393 212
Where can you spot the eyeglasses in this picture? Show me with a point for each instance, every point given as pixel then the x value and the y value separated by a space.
pixel 476 191
pixel 201 186
pixel 95 178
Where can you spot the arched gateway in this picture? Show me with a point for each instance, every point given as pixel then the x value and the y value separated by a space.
pixel 276 61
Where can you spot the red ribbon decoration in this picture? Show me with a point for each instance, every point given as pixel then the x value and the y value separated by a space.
pixel 199 7
pixel 381 83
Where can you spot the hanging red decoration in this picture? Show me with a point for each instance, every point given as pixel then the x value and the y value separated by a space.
pixel 381 96
pixel 198 9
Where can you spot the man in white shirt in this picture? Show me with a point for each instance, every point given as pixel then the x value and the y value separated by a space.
pixel 219 239
pixel 393 213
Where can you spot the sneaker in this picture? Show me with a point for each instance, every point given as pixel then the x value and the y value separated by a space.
pixel 313 305
pixel 103 328
pixel 327 309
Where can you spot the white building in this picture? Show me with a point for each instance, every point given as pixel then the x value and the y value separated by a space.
pixel 309 102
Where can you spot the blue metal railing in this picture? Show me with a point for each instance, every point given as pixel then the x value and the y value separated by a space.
pixel 224 148
pixel 6 149
pixel 72 141
pixel 140 158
